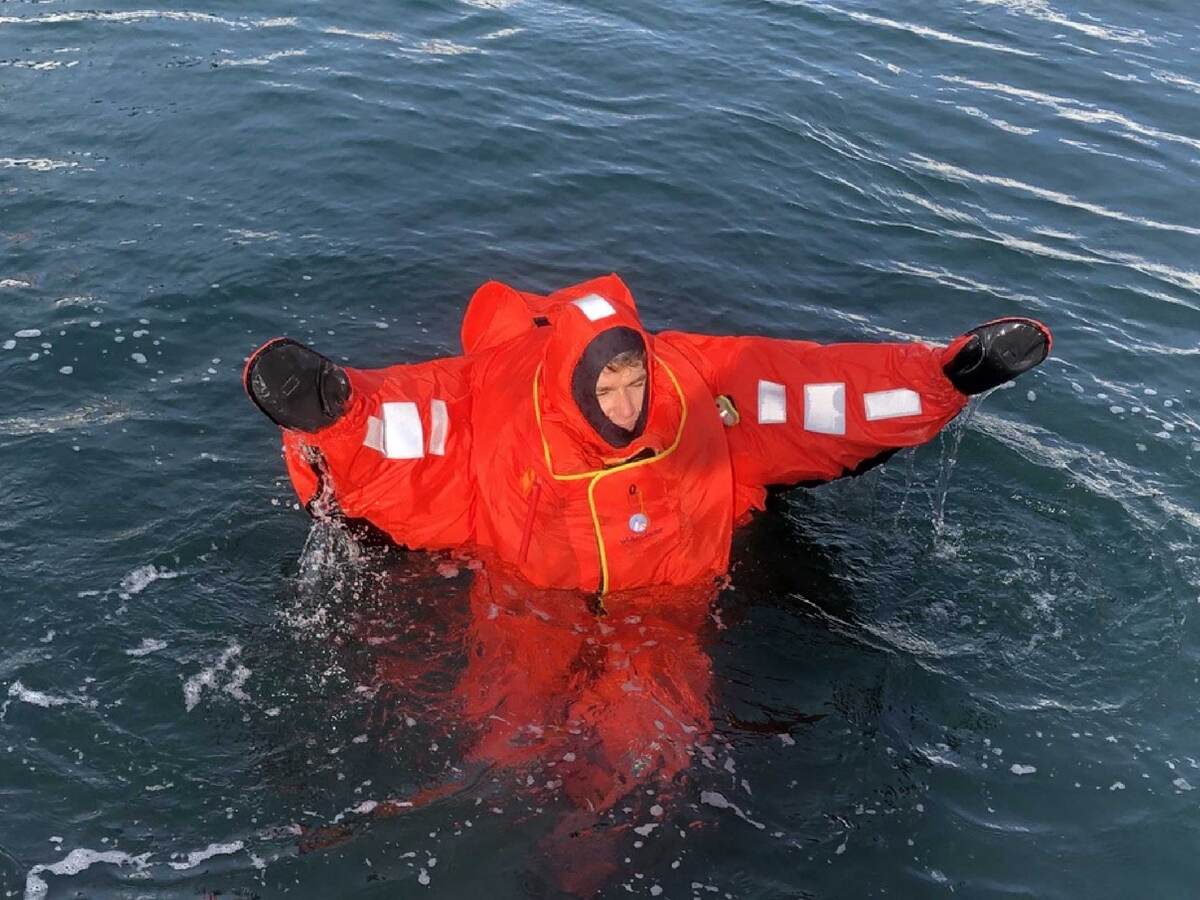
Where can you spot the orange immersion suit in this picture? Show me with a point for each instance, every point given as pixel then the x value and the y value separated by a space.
pixel 493 451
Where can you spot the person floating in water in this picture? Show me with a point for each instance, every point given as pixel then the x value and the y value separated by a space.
pixel 571 450
pixel 571 447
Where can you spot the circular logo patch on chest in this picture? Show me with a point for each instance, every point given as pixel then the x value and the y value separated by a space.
pixel 638 523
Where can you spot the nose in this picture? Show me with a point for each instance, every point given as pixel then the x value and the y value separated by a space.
pixel 625 410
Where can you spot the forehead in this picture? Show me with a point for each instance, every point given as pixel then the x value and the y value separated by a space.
pixel 623 375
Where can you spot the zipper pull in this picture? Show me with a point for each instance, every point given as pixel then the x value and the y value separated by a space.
pixel 595 605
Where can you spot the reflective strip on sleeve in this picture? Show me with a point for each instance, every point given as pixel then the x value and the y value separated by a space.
pixel 825 408
pixel 891 404
pixel 403 437
pixel 439 425
pixel 772 403
pixel 595 307
pixel 374 438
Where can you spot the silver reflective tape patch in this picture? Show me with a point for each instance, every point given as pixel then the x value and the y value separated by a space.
pixel 772 403
pixel 374 438
pixel 891 404
pixel 403 437
pixel 825 408
pixel 595 307
pixel 439 425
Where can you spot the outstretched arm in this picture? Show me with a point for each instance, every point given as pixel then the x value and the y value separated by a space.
pixel 808 413
pixel 385 445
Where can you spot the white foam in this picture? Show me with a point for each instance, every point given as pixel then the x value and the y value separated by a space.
pixel 14 283
pixel 501 33
pixel 923 31
pixel 74 863
pixel 244 233
pixel 433 47
pixel 264 60
pixel 139 358
pixel 39 65
pixel 718 800
pixel 146 647
pixel 141 578
pixel 29 333
pixel 1178 80
pixel 198 856
pixel 209 678
pixel 365 808
pixel 1040 9
pixel 999 123
pixel 31 163
pixel 444 48
pixel 237 682
pixel 1018 769
pixel 18 691
pixel 142 15
pixel 83 417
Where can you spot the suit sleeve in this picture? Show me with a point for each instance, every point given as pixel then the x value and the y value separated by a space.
pixel 809 413
pixel 398 457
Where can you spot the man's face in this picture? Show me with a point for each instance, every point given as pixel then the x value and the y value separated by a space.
pixel 621 393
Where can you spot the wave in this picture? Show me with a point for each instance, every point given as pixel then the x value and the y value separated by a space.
pixel 142 15
pixel 965 176
pixel 924 31
pixel 978 113
pixel 432 47
pixel 1039 9
pixel 1095 470
pixel 1076 110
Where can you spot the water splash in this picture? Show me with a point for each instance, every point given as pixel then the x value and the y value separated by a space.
pixel 951 441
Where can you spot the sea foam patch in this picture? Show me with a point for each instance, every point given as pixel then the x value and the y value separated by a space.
pixel 19 693
pixel 141 578
pixel 233 675
pixel 82 858
pixel 75 862
pixel 198 856
pixel 146 647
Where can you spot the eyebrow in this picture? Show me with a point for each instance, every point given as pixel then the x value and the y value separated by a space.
pixel 606 390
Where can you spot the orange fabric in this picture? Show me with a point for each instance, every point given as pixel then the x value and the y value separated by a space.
pixel 421 503
pixel 787 453
pixel 551 472
pixel 524 477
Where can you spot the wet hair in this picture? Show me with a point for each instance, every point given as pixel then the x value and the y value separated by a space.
pixel 627 359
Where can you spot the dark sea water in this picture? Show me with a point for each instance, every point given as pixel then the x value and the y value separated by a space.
pixel 974 671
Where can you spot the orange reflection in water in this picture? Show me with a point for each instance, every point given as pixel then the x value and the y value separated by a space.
pixel 594 707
